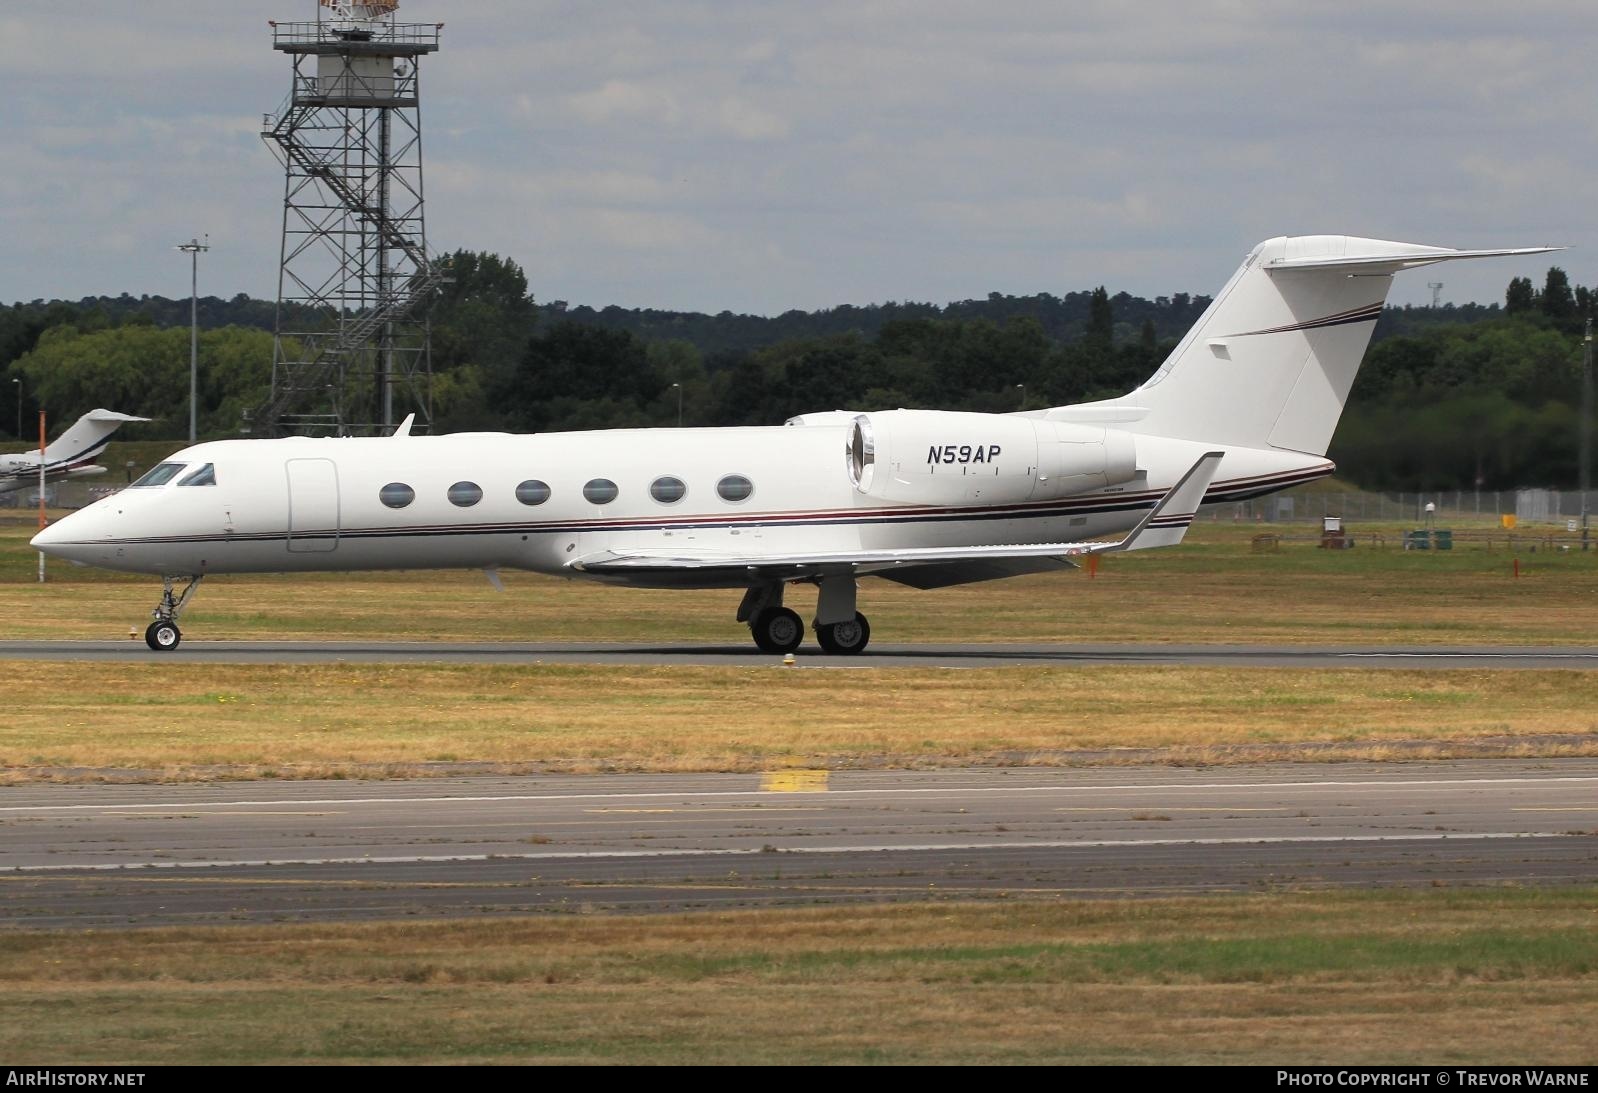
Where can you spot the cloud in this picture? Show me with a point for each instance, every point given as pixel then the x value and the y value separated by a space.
pixel 746 121
pixel 766 156
pixel 625 100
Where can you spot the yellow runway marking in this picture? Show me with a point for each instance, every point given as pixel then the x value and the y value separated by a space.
pixel 756 809
pixel 794 781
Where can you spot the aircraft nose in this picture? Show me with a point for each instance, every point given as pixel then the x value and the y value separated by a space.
pixel 48 537
pixel 66 538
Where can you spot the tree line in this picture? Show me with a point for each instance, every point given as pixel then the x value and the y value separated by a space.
pixel 1448 398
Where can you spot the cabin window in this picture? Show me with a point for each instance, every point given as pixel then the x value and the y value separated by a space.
pixel 600 491
pixel 465 494
pixel 668 490
pixel 532 492
pixel 205 476
pixel 735 487
pixel 159 475
pixel 396 495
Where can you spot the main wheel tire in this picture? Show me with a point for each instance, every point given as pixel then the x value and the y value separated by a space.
pixel 777 630
pixel 844 639
pixel 163 635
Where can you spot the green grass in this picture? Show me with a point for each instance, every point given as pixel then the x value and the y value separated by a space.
pixel 1484 976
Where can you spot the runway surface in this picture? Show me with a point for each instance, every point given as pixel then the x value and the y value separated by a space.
pixel 878 656
pixel 85 855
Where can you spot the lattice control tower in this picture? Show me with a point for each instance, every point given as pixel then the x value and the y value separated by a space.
pixel 354 281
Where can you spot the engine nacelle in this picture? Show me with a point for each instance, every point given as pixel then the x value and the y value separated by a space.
pixel 938 457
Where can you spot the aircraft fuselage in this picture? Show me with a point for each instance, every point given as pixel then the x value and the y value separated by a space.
pixel 542 502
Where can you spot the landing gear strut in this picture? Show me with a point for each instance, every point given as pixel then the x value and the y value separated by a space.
pixel 163 634
pixel 840 629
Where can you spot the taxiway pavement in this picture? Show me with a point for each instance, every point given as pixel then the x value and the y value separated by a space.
pixel 104 855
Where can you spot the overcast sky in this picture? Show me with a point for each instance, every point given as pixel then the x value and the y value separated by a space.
pixel 758 156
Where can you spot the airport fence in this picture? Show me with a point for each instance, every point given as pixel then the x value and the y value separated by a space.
pixel 1437 508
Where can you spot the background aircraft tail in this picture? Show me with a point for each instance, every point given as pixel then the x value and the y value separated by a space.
pixel 86 438
pixel 1271 362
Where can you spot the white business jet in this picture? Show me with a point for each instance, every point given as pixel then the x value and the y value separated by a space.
pixel 1245 405
pixel 70 455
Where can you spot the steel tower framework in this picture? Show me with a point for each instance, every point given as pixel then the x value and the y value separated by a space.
pixel 354 279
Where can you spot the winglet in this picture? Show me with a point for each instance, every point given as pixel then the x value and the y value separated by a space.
pixel 404 427
pixel 1168 520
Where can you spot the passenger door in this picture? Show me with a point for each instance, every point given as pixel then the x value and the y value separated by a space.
pixel 313 505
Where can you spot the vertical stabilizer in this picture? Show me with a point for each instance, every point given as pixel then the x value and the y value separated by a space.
pixel 1271 362
pixel 86 438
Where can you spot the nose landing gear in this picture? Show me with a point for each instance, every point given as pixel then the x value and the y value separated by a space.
pixel 163 634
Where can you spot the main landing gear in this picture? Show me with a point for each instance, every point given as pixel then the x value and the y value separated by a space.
pixel 163 634
pixel 840 629
pixel 777 630
pixel 846 638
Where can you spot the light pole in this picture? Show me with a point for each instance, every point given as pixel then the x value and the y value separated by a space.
pixel 1586 427
pixel 679 404
pixel 193 247
pixel 18 381
pixel 1021 387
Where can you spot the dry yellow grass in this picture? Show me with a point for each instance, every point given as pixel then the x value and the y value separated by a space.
pixel 363 720
pixel 297 720
pixel 1211 589
pixel 1428 976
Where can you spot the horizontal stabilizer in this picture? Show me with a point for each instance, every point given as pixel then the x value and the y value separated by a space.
pixel 1405 256
pixel 110 416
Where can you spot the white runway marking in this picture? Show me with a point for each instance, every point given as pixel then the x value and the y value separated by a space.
pixel 1471 656
pixel 690 795
pixel 1087 844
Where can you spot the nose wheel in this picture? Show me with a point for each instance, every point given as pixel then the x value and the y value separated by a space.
pixel 162 636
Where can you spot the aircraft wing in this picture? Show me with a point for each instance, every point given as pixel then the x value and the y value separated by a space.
pixel 1163 525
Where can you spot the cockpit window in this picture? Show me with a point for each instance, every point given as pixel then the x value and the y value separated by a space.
pixel 205 476
pixel 159 475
